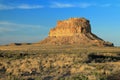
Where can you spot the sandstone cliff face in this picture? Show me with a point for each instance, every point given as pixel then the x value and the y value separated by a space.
pixel 71 27
pixel 74 31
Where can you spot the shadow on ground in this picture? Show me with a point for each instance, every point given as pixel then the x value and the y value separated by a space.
pixel 115 76
pixel 98 58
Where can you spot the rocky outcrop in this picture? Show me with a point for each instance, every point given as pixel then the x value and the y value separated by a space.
pixel 74 31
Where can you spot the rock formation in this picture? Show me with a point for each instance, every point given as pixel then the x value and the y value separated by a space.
pixel 74 31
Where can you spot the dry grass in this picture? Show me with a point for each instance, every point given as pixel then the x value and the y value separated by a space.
pixel 71 62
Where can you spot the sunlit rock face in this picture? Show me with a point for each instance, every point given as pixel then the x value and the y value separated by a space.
pixel 71 27
pixel 74 31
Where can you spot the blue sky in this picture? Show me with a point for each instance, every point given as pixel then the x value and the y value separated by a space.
pixel 31 20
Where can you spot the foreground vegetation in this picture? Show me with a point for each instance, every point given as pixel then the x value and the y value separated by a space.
pixel 59 63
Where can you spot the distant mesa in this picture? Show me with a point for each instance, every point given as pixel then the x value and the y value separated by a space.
pixel 75 31
pixel 18 44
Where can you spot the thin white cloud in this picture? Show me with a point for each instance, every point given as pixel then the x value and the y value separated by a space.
pixel 26 6
pixel 3 30
pixel 56 5
pixel 6 26
pixel 70 5
pixel 11 24
pixel 86 5
pixel 5 7
pixel 106 5
pixel 61 5
pixel 22 6
pixel 10 27
pixel 82 5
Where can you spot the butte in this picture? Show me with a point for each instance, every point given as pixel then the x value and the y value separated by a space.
pixel 74 31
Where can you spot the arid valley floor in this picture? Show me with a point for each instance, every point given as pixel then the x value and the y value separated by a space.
pixel 60 62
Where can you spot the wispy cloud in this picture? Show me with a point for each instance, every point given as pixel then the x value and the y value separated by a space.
pixel 13 27
pixel 56 5
pixel 6 27
pixel 61 5
pixel 86 5
pixel 3 30
pixel 21 6
pixel 71 5
pixel 106 5
pixel 26 6
pixel 5 7
pixel 81 5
